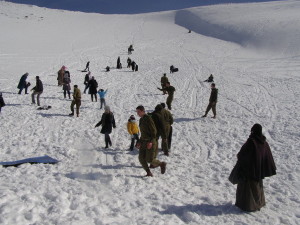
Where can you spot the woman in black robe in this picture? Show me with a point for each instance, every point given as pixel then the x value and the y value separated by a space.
pixel 256 162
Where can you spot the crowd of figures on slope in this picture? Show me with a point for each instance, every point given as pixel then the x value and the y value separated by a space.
pixel 255 160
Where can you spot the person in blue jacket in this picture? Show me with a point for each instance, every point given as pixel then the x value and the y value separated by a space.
pixel 102 94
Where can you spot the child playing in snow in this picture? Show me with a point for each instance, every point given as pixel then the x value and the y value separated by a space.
pixel 2 103
pixel 102 94
pixel 133 130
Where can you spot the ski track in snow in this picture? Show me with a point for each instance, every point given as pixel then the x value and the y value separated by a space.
pixel 93 185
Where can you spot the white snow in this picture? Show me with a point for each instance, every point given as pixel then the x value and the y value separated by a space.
pixel 251 49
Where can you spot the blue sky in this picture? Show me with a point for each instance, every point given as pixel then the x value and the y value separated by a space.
pixel 125 6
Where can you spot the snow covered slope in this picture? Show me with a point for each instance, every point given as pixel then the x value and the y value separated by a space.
pixel 258 81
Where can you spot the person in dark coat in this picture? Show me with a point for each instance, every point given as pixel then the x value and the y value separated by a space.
pixel 93 85
pixel 133 64
pixel 255 163
pixel 37 90
pixel 212 101
pixel 119 65
pixel 87 67
pixel 128 62
pixel 136 67
pixel 2 103
pixel 87 79
pixel 107 69
pixel 210 79
pixel 108 122
pixel 66 84
pixel 130 49
pixel 23 84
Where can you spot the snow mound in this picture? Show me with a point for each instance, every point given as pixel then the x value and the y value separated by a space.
pixel 248 26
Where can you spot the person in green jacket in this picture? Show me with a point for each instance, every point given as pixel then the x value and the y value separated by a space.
pixel 170 90
pixel 76 101
pixel 168 119
pixel 163 80
pixel 212 101
pixel 147 142
pixel 159 122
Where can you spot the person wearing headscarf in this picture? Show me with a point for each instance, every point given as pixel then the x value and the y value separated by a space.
pixel 255 163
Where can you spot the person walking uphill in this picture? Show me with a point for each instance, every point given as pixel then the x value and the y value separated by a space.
pixel 108 122
pixel 2 103
pixel 133 130
pixel 164 80
pixel 170 90
pixel 60 75
pixel 37 90
pixel 212 101
pixel 66 85
pixel 102 94
pixel 93 85
pixel 147 142
pixel 23 84
pixel 76 101
pixel 255 162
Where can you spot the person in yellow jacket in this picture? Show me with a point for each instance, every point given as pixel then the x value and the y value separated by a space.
pixel 133 130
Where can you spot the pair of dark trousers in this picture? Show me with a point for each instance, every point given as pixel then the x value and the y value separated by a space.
pixel 135 137
pixel 102 102
pixel 211 105
pixel 92 96
pixel 38 93
pixel 78 104
pixel 148 155
pixel 107 140
pixel 21 89
pixel 65 93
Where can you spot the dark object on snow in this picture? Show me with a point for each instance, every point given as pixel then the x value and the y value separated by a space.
pixel 107 69
pixel 87 67
pixel 173 69
pixel 45 107
pixel 119 65
pixel 210 79
pixel 43 159
pixel 190 31
pixel 130 49
pixel 136 67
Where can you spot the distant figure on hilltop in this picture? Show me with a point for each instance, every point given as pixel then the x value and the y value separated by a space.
pixel 119 64
pixel 37 90
pixel 130 49
pixel 133 64
pixel 173 69
pixel 2 103
pixel 128 62
pixel 23 84
pixel 108 122
pixel 255 162
pixel 212 101
pixel 210 79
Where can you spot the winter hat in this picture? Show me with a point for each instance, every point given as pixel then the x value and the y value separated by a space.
pixel 26 74
pixel 163 105
pixel 158 107
pixel 107 108
pixel 256 129
pixel 132 117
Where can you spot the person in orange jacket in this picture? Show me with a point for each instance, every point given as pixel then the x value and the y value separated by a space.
pixel 133 130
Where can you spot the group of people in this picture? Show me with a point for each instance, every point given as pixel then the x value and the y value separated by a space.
pixel 37 89
pixel 255 160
